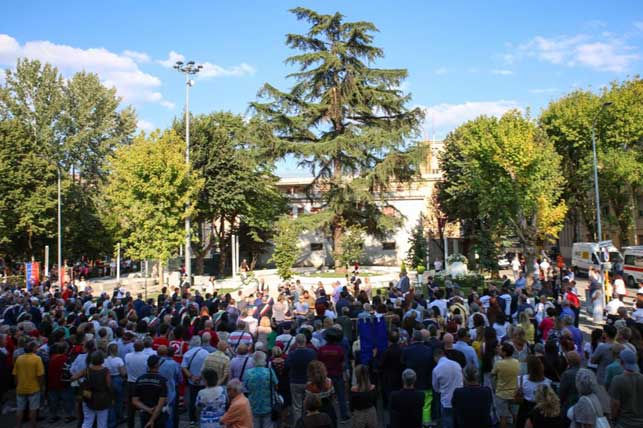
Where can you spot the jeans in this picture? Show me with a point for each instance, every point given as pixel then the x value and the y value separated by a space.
pixel 89 415
pixel 160 422
pixel 193 390
pixel 297 390
pixel 61 400
pixel 262 421
pixel 340 389
pixel 447 417
pixel 116 411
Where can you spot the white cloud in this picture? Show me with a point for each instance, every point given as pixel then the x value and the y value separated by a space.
pixel 172 58
pixel 639 25
pixel 502 72
pixel 144 125
pixel 210 70
pixel 214 70
pixel 543 90
pixel 168 104
pixel 120 71
pixel 140 57
pixel 603 52
pixel 445 117
pixel 440 71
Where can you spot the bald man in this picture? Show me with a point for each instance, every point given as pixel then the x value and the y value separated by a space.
pixel 453 354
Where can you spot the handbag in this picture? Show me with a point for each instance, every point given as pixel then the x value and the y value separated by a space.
pixel 519 394
pixel 601 420
pixel 276 400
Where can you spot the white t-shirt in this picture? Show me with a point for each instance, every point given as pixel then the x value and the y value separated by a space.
pixel 613 305
pixel 440 304
pixel 619 286
pixel 515 264
pixel 501 329
pixel 252 324
pixel 485 301
pixel 529 387
pixel 113 364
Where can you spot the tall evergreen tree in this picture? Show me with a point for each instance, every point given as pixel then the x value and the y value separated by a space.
pixel 344 120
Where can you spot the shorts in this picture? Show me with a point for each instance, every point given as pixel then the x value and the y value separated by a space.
pixel 32 399
pixel 505 407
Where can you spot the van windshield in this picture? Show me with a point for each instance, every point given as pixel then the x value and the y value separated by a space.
pixel 615 256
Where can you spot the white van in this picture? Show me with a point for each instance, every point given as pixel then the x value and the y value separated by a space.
pixel 592 254
pixel 633 265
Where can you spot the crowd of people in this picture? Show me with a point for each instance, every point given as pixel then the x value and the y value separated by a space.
pixel 341 353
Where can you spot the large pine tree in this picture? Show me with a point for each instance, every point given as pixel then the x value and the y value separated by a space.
pixel 346 121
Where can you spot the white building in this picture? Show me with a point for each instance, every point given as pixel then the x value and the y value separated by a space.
pixel 410 200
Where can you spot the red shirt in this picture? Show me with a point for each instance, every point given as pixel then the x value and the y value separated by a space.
pixel 55 372
pixel 180 348
pixel 160 340
pixel 333 358
pixel 545 326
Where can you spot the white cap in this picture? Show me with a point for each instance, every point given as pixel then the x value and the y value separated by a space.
pixel 640 291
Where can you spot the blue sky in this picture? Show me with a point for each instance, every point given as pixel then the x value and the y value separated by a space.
pixel 464 58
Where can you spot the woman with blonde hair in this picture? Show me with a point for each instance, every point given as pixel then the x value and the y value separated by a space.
pixel 263 330
pixel 527 325
pixel 521 347
pixel 321 386
pixel 363 400
pixel 546 412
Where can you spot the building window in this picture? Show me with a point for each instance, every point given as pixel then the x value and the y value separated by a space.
pixel 315 210
pixel 388 245
pixel 300 210
pixel 316 246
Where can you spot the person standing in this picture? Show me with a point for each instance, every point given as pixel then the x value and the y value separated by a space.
pixel 171 371
pixel 602 355
pixel 332 355
pixel 212 400
pixel 588 407
pixel 472 403
pixel 403 284
pixel 297 366
pixel 546 412
pixel 136 366
pixel 116 367
pixel 150 396
pixel 626 391
pixel 191 366
pixel 447 376
pixel 61 398
pixel 406 404
pixel 239 414
pixel 363 400
pixel 419 357
pixel 504 374
pixel 29 373
pixel 219 362
pixel 260 382
pixel 98 384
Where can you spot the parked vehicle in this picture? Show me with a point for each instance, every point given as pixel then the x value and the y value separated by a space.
pixel 633 265
pixel 594 254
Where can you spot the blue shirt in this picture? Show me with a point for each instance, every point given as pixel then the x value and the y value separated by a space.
pixel 193 361
pixel 136 365
pixel 468 351
pixel 257 383
pixel 171 371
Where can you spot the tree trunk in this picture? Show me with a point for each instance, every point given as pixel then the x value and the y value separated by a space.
pixel 337 249
pixel 200 262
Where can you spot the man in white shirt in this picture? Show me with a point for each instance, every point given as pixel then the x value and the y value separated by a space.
pixel 191 366
pixel 440 303
pixel 619 287
pixel 515 267
pixel 544 265
pixel 447 376
pixel 613 305
pixel 251 322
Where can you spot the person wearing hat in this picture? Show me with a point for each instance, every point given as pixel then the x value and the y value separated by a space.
pixel 150 395
pixel 626 391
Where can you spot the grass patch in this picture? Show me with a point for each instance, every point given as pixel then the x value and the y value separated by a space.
pixel 336 275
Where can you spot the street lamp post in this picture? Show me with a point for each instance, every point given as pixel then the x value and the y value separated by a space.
pixel 599 230
pixel 60 235
pixel 188 69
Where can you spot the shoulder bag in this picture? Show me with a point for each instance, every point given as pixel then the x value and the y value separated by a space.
pixel 276 400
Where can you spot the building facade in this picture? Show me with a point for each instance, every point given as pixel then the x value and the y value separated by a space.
pixel 412 200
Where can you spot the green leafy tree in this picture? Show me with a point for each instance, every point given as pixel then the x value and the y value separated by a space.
pixel 53 125
pixel 240 187
pixel 344 120
pixel 149 187
pixel 351 246
pixel 509 174
pixel 286 251
pixel 418 248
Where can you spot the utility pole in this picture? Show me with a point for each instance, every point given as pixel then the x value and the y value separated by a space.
pixel 188 69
